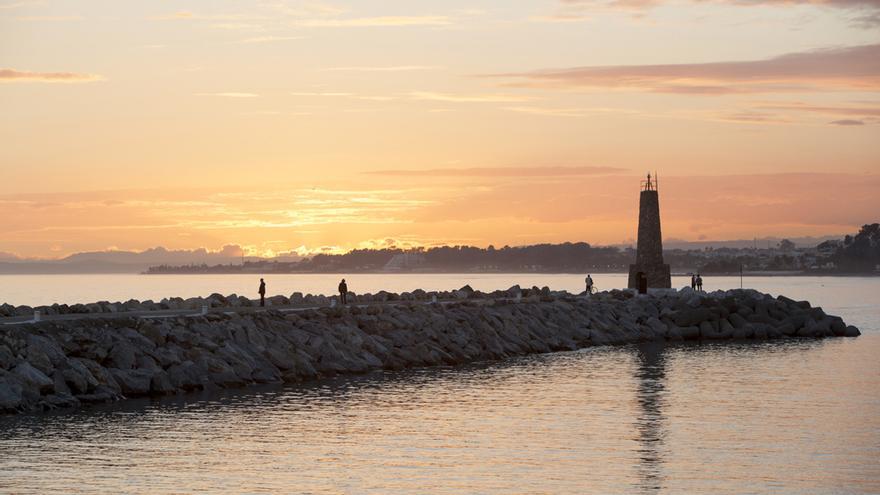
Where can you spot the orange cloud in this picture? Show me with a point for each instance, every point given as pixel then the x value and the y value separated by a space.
pixel 832 69
pixel 12 75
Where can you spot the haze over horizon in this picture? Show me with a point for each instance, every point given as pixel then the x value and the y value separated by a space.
pixel 309 126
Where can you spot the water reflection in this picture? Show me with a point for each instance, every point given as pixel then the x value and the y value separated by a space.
pixel 688 418
pixel 650 423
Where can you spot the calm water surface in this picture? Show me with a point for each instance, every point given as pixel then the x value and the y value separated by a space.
pixel 48 289
pixel 773 417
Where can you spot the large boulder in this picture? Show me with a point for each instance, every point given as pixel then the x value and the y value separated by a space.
pixel 102 375
pixel 692 317
pixel 188 376
pixel 122 356
pixel 690 333
pixel 78 378
pixel 11 397
pixel 160 384
pixel 133 383
pixel 7 359
pixel 465 292
pixel 737 320
pixel 33 378
pixel 7 310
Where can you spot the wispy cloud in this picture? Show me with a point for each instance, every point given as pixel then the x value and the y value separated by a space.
pixel 424 20
pixel 797 106
pixel 50 18
pixel 17 5
pixel 237 26
pixel 346 94
pixel 180 15
pixel 849 68
pixel 797 112
pixel 230 95
pixel 752 117
pixel 568 112
pixel 868 11
pixel 12 75
pixel 269 39
pixel 386 68
pixel 869 20
pixel 469 98
pixel 321 93
pixel 847 122
pixel 501 172
pixel 185 15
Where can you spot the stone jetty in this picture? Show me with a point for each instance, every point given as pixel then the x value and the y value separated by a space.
pixel 72 362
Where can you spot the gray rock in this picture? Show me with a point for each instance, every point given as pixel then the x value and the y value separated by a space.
pixel 153 332
pixel 744 332
pixel 34 378
pixel 160 384
pixel 101 374
pixel 838 327
pixel 11 397
pixel 737 320
pixel 188 376
pixel 133 383
pixel 137 339
pixel 59 385
pixel 78 378
pixel 690 333
pixel 167 355
pixel 692 317
pixel 7 359
pixel 787 328
pixel 101 394
pixel 122 356
pixel 59 401
pixel 24 311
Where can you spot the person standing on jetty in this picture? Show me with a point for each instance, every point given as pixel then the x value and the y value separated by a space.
pixel 693 282
pixel 343 292
pixel 699 283
pixel 262 293
pixel 589 282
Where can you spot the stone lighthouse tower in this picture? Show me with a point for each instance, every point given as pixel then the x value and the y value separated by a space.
pixel 649 251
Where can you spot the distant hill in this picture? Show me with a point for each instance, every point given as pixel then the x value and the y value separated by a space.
pixel 124 261
pixel 761 242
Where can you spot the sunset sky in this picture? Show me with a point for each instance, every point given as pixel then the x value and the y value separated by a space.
pixel 286 125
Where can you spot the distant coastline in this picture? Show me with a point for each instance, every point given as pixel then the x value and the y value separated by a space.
pixel 852 255
pixel 675 273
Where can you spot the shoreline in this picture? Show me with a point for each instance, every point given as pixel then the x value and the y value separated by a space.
pixel 768 273
pixel 64 364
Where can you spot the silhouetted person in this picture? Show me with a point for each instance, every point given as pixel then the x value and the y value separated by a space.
pixel 693 282
pixel 589 282
pixel 343 292
pixel 699 283
pixel 262 293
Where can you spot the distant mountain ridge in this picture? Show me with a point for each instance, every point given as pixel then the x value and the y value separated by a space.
pixel 125 261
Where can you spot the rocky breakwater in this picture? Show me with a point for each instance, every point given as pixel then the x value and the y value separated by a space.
pixel 67 363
